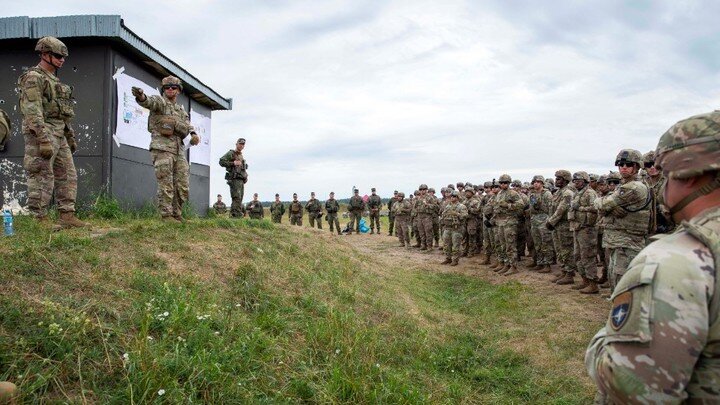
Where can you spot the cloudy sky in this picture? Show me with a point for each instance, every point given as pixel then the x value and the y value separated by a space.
pixel 332 94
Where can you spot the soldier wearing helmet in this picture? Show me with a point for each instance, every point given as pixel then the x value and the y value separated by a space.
pixel 582 217
pixel 524 240
pixel 453 219
pixel 47 106
pixel 626 215
pixel 490 241
pixel 540 201
pixel 660 221
pixel 169 125
pixel 391 213
pixel 426 207
pixel 356 206
pixel 236 175
pixel 474 208
pixel 331 208
pixel 402 209
pixel 666 310
pixel 560 227
pixel 435 216
pixel 508 205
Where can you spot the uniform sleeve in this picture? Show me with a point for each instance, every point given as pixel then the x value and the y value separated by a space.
pixel 656 330
pixel 152 103
pixel 562 208
pixel 31 107
pixel 227 160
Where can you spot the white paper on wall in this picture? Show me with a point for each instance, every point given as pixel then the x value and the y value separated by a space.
pixel 200 153
pixel 131 128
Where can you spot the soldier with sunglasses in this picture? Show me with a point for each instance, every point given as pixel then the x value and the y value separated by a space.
pixel 47 106
pixel 169 125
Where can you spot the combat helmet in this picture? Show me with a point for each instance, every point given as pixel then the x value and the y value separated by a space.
pixel 451 186
pixel 455 193
pixel 614 176
pixel 423 187
pixel 564 174
pixel 516 183
pixel 172 80
pixel 488 184
pixel 51 44
pixel 504 178
pixel 401 194
pixel 649 159
pixel 539 178
pixel 460 184
pixel 602 179
pixel 469 189
pixel 593 177
pixel 691 148
pixel 629 156
pixel 431 190
pixel 581 176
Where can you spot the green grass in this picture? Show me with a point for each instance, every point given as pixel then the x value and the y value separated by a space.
pixel 241 311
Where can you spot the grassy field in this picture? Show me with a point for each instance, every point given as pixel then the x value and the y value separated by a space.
pixel 242 311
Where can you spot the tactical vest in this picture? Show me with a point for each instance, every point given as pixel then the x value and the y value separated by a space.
pixel 295 207
pixel 356 203
pixel 332 206
pixel 707 368
pixel 636 218
pixel 579 219
pixel 58 102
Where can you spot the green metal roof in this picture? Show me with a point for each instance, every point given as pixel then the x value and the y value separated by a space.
pixel 111 27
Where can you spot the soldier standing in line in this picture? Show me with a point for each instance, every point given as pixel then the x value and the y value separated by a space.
pixel 540 202
pixel 314 210
pixel 582 217
pixel 169 125
pixel 602 190
pixel 473 206
pixel 436 216
pixel 627 217
pixel 441 204
pixel 402 208
pixel 391 214
pixel 236 176
pixel 332 207
pixel 660 343
pixel 508 205
pixel 453 219
pixel 414 232
pixel 5 129
pixel 255 209
pixel 374 205
pixel 559 225
pixel 522 237
pixel 660 221
pixel 487 244
pixel 277 210
pixel 219 206
pixel 425 211
pixel 356 206
pixel 295 211
pixel 489 221
pixel 479 193
pixel 47 107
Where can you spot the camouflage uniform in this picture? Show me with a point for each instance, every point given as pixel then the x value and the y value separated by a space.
pixel 435 217
pixel 522 235
pixel 660 220
pixel 356 206
pixel 507 205
pixel 391 214
pixel 558 222
pixel 277 210
pixel 5 129
pixel 414 231
pixel 402 208
pixel 332 207
pixel 168 125
pixel 540 204
pixel 374 205
pixel 236 178
pixel 626 223
pixel 314 209
pixel 488 229
pixel 426 208
pixel 295 212
pixel 453 218
pixel 220 207
pixel 47 106
pixel 474 209
pixel 255 210
pixel 582 217
pixel 661 343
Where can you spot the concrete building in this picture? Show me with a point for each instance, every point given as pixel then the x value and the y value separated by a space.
pixel 112 156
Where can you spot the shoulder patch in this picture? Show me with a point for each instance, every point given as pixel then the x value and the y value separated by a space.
pixel 622 305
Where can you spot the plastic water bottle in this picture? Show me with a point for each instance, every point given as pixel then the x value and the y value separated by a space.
pixel 8 221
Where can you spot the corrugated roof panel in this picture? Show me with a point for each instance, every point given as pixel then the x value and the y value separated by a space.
pixel 110 26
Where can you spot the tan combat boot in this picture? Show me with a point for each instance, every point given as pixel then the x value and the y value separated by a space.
pixel 500 269
pixel 546 269
pixel 581 285
pixel 485 260
pixel 455 262
pixel 505 269
pixel 494 265
pixel 447 261
pixel 557 277
pixel 513 270
pixel 568 279
pixel 592 288
pixel 69 220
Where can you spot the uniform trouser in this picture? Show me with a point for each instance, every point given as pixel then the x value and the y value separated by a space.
pixel 620 258
pixel 172 171
pixel 488 240
pixel 375 220
pixel 480 233
pixel 436 228
pixel 452 239
pixel 414 231
pixel 601 250
pixel 471 229
pixel 529 240
pixel 255 216
pixel 237 190
pixel 497 246
pixel 521 238
pixel 507 234
pixel 313 217
pixel 585 251
pixel 425 229
pixel 542 240
pixel 332 219
pixel 45 175
pixel 277 219
pixel 564 244
pixel 296 219
pixel 355 217
pixel 402 228
pixel 391 224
